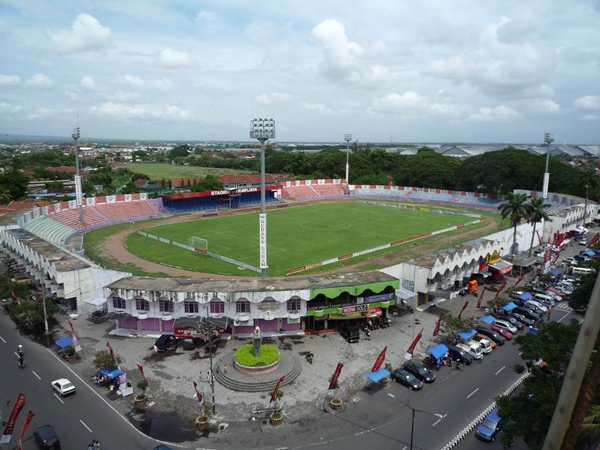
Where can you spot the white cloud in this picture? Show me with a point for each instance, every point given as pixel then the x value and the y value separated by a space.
pixel 493 114
pixel 41 113
pixel 88 84
pixel 174 59
pixel 340 55
pixel 317 107
pixel 275 97
pixel 87 34
pixel 590 117
pixel 154 85
pixel 40 81
pixel 7 108
pixel 545 106
pixel 10 80
pixel 141 111
pixel 409 103
pixel 591 102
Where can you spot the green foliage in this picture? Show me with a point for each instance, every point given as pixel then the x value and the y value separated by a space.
pixel 210 183
pixel 268 355
pixel 582 293
pixel 451 325
pixel 8 287
pixel 103 359
pixel 181 151
pixel 427 169
pixel 14 183
pixel 130 188
pixel 70 350
pixel 31 312
pixel 142 385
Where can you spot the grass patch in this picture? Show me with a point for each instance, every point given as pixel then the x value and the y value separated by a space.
pixel 268 355
pixel 158 171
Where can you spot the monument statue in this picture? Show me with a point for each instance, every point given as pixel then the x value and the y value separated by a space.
pixel 257 341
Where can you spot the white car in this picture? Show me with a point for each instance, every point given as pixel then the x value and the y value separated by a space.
pixel 584 241
pixel 63 387
pixel 536 306
pixel 569 261
pixel 566 288
pixel 506 325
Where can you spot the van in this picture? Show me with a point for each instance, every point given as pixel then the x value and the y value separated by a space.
pixel 544 299
pixel 473 348
pixel 581 270
pixel 458 354
pixel 349 333
pixel 489 429
pixel 487 345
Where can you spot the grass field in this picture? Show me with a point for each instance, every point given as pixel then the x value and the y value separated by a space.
pixel 296 236
pixel 158 171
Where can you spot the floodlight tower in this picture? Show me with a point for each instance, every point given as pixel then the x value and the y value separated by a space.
pixel 78 194
pixel 548 139
pixel 347 138
pixel 263 130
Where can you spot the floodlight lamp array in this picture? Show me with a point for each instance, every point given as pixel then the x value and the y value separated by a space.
pixel 347 137
pixel 548 138
pixel 262 128
pixel 75 135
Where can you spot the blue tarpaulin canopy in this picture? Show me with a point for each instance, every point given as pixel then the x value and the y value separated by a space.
pixel 437 351
pixel 510 306
pixel 557 272
pixel 525 296
pixel 376 376
pixel 111 373
pixel 487 319
pixel 589 253
pixel 64 342
pixel 466 335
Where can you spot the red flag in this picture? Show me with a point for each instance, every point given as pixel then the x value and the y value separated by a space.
pixel 437 326
pixel 336 375
pixel 521 278
pixel 142 371
pixel 14 295
pixel 10 423
pixel 25 425
pixel 75 340
pixel 595 238
pixel 481 297
pixel 198 394
pixel 274 394
pixel 112 354
pixel 539 237
pixel 379 361
pixel 500 289
pixel 411 349
pixel 463 308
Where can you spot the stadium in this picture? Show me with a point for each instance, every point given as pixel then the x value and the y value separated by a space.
pixel 175 259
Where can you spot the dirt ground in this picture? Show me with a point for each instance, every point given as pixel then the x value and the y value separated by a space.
pixel 113 247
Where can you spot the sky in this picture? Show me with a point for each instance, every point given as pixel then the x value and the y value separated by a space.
pixel 384 71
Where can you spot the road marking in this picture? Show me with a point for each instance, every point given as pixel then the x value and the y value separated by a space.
pixel 2 339
pixel 38 377
pixel 83 423
pixel 59 399
pixel 439 420
pixel 501 369
pixel 468 396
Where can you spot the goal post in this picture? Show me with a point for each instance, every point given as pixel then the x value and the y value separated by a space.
pixel 197 242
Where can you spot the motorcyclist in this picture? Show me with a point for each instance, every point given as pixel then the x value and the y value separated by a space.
pixel 20 350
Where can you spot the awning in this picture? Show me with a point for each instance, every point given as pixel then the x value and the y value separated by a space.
pixel 376 376
pixel 372 312
pixel 405 294
pixel 117 315
pixel 525 296
pixel 437 351
pixel 98 301
pixel 64 342
pixel 111 373
pixel 557 272
pixel 466 335
pixel 347 316
pixel 440 294
pixel 589 253
pixel 501 266
pixel 487 319
pixel 509 306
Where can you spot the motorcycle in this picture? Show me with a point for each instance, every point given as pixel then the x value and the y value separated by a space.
pixel 463 292
pixel 309 357
pixel 21 362
pixel 365 328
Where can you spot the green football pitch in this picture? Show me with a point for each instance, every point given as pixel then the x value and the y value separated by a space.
pixel 296 236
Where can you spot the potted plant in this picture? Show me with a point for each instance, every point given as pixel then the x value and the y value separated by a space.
pixel 336 403
pixel 70 353
pixel 202 419
pixel 277 416
pixel 140 399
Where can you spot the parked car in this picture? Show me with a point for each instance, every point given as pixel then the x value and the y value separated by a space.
pixel 473 348
pixel 558 296
pixel 535 306
pixel 569 261
pixel 350 333
pixel 407 379
pixel 420 371
pixel 513 320
pixel 162 447
pixel 489 429
pixel 165 342
pixel 583 241
pixel 46 439
pixel 63 387
pixel 493 335
pixel 487 345
pixel 565 287
pixel 526 312
pixel 458 354
pixel 502 332
pixel 506 325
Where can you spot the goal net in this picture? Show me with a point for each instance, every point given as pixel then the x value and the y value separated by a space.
pixel 197 242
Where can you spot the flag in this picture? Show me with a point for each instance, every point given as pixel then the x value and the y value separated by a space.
pixel 520 279
pixel 25 425
pixel 274 394
pixel 481 297
pixel 198 394
pixel 463 308
pixel 142 371
pixel 75 340
pixel 595 238
pixel 112 354
pixel 411 349
pixel 437 326
pixel 379 361
pixel 336 375
pixel 500 289
pixel 539 237
pixel 10 423
pixel 14 295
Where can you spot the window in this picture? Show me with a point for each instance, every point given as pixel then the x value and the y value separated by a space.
pixel 294 304
pixel 243 306
pixel 142 305
pixel 165 306
pixel 190 307
pixel 119 303
pixel 217 307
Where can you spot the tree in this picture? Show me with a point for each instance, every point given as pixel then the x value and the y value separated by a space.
pixel 590 181
pixel 426 169
pixel 30 313
pixel 15 182
pixel 104 359
pixel 210 183
pixel 535 214
pixel 451 325
pixel 5 196
pixel 516 210
pixel 130 188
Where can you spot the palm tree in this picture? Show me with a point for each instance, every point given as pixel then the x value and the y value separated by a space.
pixel 516 209
pixel 536 214
pixel 590 181
pixel 5 196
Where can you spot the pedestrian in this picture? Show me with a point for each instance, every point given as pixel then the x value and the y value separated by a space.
pixel 549 313
pixel 225 368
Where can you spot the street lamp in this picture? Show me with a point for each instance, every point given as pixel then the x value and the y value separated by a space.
pixel 413 411
pixel 207 329
pixel 263 130
pixel 347 138
pixel 548 139
pixel 78 194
